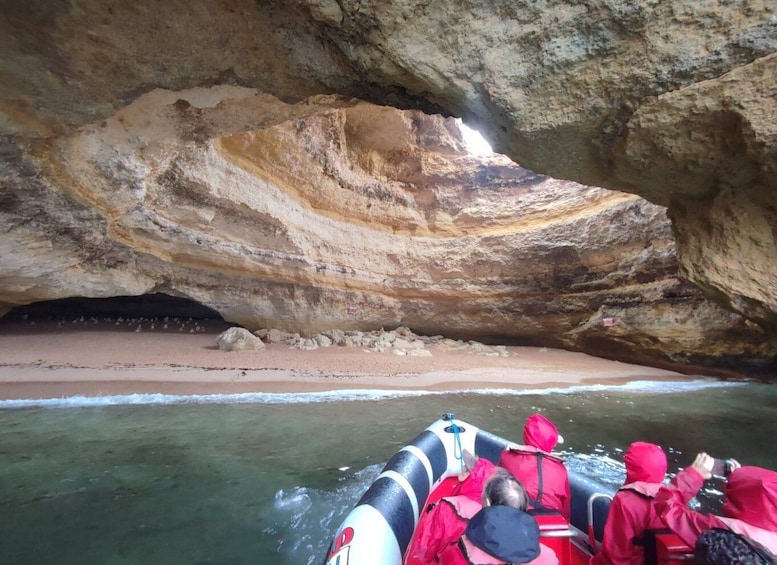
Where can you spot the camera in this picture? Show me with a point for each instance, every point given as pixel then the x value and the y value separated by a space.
pixel 722 467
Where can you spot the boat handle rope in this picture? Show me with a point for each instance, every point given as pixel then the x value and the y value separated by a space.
pixel 458 452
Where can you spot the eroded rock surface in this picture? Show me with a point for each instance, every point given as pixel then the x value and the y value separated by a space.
pixel 224 153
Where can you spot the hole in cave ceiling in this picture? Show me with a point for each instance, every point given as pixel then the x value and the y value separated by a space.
pixel 475 142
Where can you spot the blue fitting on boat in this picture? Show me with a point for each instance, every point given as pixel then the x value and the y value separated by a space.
pixel 458 453
pixel 456 430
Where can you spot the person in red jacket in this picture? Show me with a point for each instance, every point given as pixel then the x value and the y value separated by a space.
pixel 543 475
pixel 632 511
pixel 446 520
pixel 478 470
pixel 461 531
pixel 750 506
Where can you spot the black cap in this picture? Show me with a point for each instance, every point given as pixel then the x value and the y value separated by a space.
pixel 506 533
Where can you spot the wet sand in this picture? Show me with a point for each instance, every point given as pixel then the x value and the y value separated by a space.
pixel 51 360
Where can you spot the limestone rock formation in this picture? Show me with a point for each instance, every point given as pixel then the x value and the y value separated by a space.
pixel 225 153
pixel 238 339
pixel 670 100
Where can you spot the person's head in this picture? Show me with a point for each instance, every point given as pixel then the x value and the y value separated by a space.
pixel 540 432
pixel 751 496
pixel 645 462
pixel 502 532
pixel 502 489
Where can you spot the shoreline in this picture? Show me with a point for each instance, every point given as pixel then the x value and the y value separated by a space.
pixel 27 383
pixel 54 361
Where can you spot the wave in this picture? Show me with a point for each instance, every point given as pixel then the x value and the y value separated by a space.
pixel 352 395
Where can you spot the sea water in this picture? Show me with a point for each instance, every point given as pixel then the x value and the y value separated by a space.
pixel 268 478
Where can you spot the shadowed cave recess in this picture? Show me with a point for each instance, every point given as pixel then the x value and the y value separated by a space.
pixel 157 306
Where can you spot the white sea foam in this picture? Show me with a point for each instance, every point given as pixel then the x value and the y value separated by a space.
pixel 652 387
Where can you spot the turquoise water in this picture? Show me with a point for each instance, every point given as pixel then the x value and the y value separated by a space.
pixel 268 478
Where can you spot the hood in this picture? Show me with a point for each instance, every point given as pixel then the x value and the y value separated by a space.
pixel 540 432
pixel 645 462
pixel 506 533
pixel 751 496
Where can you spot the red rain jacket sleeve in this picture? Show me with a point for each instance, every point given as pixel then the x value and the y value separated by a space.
pixel 472 486
pixel 671 504
pixel 437 530
pixel 443 526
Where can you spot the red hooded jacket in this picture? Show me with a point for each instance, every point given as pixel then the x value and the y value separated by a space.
pixel 446 521
pixel 750 507
pixel 523 461
pixel 632 510
pixel 443 525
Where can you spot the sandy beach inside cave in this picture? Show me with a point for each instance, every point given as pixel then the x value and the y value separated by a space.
pixel 50 360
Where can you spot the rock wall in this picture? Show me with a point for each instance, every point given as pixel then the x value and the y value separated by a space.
pixel 224 153
pixel 670 100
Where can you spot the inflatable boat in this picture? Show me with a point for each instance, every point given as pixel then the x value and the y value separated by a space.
pixel 379 529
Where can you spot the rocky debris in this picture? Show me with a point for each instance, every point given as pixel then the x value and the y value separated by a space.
pixel 238 339
pixel 401 341
pixel 275 336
